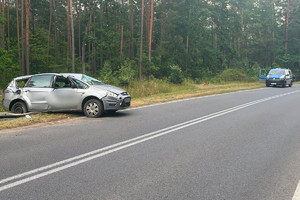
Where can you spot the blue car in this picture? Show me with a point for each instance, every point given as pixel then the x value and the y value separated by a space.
pixel 279 76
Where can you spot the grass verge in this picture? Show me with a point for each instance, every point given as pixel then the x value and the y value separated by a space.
pixel 35 119
pixel 143 93
pixel 164 91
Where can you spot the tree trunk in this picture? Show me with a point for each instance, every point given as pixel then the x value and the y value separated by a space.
pixel 32 21
pixel 22 37
pixel 68 35
pixel 89 33
pixel 287 27
pixel 215 35
pixel 131 46
pixel 141 42
pixel 94 46
pixel 2 27
pixel 8 31
pixel 101 27
pixel 147 21
pixel 83 57
pixel 49 33
pixel 187 37
pixel 18 38
pixel 72 36
pixel 273 31
pixel 55 36
pixel 78 9
pixel 150 31
pixel 121 45
pixel 83 51
pixel 27 7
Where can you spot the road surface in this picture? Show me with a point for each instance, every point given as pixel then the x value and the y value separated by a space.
pixel 240 146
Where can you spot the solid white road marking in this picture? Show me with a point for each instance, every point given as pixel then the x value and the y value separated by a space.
pixel 186 99
pixel 59 166
pixel 297 193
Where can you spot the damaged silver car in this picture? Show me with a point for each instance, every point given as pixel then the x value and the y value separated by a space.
pixel 63 92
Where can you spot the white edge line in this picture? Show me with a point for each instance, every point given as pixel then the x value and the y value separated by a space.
pixel 297 193
pixel 187 99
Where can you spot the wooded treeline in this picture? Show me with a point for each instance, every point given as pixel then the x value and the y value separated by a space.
pixel 135 39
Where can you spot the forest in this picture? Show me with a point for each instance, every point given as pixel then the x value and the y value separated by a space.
pixel 119 41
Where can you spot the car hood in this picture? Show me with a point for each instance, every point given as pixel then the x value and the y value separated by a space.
pixel 110 88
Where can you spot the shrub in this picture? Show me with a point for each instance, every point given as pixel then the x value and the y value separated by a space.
pixel 107 75
pixel 233 75
pixel 176 75
pixel 126 73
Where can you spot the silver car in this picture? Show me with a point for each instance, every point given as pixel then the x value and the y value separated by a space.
pixel 63 92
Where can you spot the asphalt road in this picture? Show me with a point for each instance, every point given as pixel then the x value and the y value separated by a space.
pixel 243 145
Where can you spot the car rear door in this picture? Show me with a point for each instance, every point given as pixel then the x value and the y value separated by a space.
pixel 36 92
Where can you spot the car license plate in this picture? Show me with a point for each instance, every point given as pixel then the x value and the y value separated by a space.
pixel 127 100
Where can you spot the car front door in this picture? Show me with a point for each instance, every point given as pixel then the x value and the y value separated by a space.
pixel 36 91
pixel 65 95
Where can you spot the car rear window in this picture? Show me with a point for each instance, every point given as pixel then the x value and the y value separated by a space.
pixel 41 81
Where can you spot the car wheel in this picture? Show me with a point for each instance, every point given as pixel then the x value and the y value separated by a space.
pixel 19 107
pixel 283 84
pixel 290 85
pixel 93 108
pixel 267 85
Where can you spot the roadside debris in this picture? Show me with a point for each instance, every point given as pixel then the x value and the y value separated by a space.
pixel 28 116
pixel 13 115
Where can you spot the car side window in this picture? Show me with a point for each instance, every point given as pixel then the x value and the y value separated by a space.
pixel 40 81
pixel 287 73
pixel 62 82
pixel 21 83
pixel 80 84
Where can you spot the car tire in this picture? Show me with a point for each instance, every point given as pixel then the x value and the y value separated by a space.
pixel 19 108
pixel 283 84
pixel 267 85
pixel 93 108
pixel 290 85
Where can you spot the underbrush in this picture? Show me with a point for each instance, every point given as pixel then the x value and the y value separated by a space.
pixel 145 89
pixel 142 89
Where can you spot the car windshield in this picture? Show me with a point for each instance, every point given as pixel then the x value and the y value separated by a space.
pixel 276 72
pixel 91 81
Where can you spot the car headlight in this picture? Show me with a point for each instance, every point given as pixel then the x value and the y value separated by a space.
pixel 268 77
pixel 282 77
pixel 111 94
